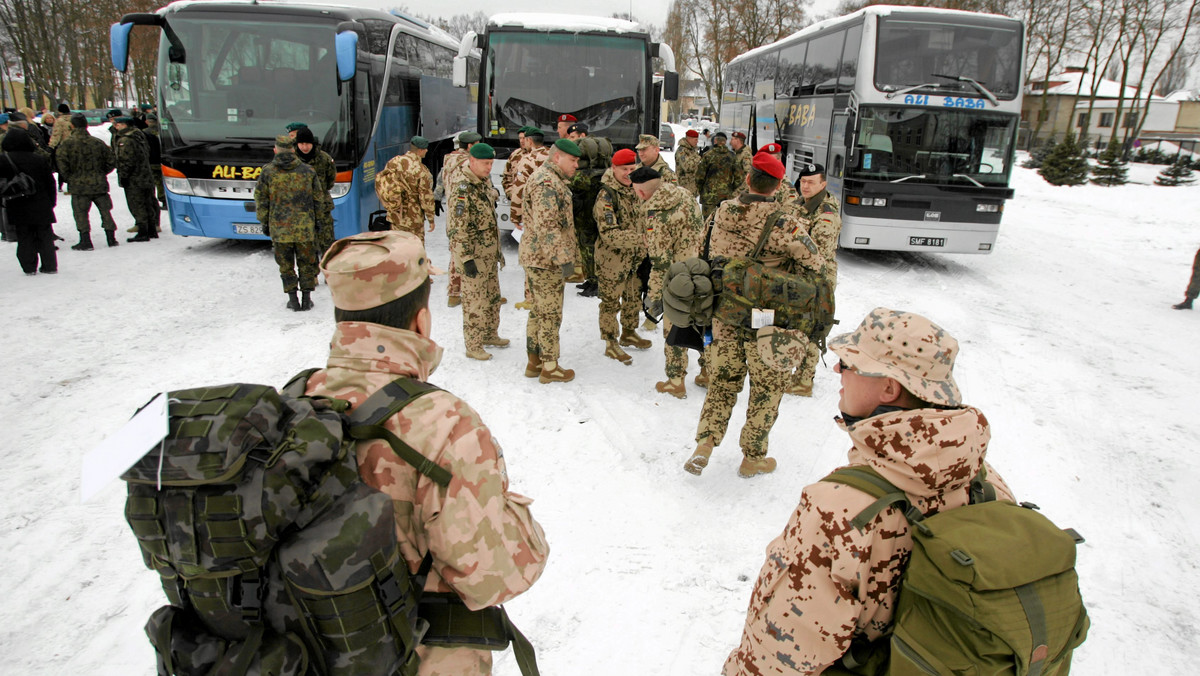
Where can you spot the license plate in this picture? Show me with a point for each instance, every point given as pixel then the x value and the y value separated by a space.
pixel 927 241
pixel 248 228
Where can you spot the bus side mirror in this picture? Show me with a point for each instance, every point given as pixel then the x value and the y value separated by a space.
pixel 460 71
pixel 118 42
pixel 671 86
pixel 346 48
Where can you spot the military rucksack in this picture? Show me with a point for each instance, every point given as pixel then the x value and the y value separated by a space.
pixel 989 589
pixel 275 557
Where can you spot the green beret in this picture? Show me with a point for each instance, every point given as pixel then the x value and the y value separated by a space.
pixel 469 137
pixel 147 106
pixel 293 126
pixel 534 131
pixel 525 130
pixel 568 146
pixel 419 142
pixel 482 151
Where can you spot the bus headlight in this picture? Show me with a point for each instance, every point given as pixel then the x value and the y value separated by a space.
pixel 179 186
pixel 987 208
pixel 339 190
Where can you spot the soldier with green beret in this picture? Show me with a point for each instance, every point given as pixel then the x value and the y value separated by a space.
pixel 475 242
pixel 405 189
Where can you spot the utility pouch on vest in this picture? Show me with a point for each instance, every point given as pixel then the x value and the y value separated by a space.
pixel 453 625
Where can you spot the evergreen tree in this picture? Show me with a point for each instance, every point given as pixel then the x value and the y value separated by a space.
pixel 1038 155
pixel 1065 164
pixel 1110 168
pixel 1176 174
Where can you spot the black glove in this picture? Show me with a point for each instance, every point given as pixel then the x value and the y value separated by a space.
pixel 469 269
pixel 437 210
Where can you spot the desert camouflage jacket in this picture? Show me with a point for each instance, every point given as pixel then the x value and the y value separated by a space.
pixel 62 129
pixel 674 231
pixel 133 158
pixel 405 189
pixel 660 165
pixel 471 223
pixel 454 163
pixel 85 162
pixel 718 175
pixel 619 218
pixel 549 233
pixel 485 543
pixel 286 198
pixel 687 166
pixel 824 582
pixel 824 216
pixel 528 164
pixel 510 171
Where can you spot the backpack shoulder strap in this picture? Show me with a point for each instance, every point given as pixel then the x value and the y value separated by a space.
pixel 766 232
pixel 297 386
pixel 366 422
pixel 870 482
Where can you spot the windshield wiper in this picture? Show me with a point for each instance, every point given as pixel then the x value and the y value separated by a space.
pixel 905 178
pixel 974 83
pixel 891 95
pixel 977 183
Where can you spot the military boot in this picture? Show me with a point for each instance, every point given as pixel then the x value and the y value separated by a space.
pixel 534 368
pixel 702 378
pixel 1185 305
pixel 673 387
pixel 699 460
pixel 630 338
pixel 496 341
pixel 754 466
pixel 553 373
pixel 85 242
pixel 480 354
pixel 453 301
pixel 305 302
pixel 801 387
pixel 293 302
pixel 111 236
pixel 614 351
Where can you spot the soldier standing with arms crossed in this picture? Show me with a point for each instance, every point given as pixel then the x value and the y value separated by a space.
pixel 718 175
pixel 475 243
pixel 619 250
pixel 687 162
pixel 405 189
pixel 85 162
pixel 134 175
pixel 821 211
pixel 548 250
pixel 286 201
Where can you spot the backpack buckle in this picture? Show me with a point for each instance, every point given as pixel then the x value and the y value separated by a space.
pixel 962 558
pixel 250 594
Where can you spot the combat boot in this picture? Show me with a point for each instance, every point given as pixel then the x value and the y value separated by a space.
pixel 553 373
pixel 305 302
pixel 754 466
pixel 85 242
pixel 673 387
pixel 613 351
pixel 480 354
pixel 1185 305
pixel 534 368
pixel 453 301
pixel 699 460
pixel 630 338
pixel 801 387
pixel 111 236
pixel 702 378
pixel 590 289
pixel 293 302
pixel 496 341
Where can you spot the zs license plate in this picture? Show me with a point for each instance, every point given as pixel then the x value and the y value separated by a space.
pixel 927 241
pixel 247 228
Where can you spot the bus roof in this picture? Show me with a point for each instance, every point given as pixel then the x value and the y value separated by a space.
pixel 564 22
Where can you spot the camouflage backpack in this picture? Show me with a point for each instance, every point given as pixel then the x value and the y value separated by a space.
pixel 275 557
pixel 990 589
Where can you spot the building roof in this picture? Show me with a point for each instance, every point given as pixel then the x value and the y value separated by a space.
pixel 1071 83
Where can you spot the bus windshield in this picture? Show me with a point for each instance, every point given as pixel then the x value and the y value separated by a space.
pixel 933 145
pixel 534 77
pixel 924 52
pixel 246 78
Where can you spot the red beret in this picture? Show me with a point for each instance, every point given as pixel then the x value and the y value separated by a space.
pixel 567 117
pixel 624 156
pixel 766 162
pixel 738 134
pixel 692 133
pixel 771 148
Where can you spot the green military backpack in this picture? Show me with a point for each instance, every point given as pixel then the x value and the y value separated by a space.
pixel 275 557
pixel 990 589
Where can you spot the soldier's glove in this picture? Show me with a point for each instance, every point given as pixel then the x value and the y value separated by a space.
pixel 267 230
pixel 568 269
pixel 470 270
pixel 654 310
pixel 437 207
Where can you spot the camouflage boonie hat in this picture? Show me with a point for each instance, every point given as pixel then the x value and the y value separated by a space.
pixel 908 347
pixel 647 141
pixel 374 268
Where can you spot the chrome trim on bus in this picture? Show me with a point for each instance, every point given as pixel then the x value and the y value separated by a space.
pixel 222 189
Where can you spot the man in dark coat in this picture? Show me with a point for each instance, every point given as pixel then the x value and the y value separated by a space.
pixel 30 216
pixel 85 162
pixel 134 175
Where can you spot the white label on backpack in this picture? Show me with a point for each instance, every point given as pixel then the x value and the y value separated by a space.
pixel 760 318
pixel 143 433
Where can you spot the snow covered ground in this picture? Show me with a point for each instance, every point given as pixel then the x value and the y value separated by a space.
pixel 1068 341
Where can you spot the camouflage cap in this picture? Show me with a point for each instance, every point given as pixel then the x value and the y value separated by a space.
pixel 907 347
pixel 374 268
pixel 285 142
pixel 568 146
pixel 647 141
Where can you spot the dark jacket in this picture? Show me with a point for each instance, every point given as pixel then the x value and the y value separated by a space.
pixel 36 209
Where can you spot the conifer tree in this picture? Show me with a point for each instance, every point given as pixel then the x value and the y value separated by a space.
pixel 1176 174
pixel 1110 169
pixel 1038 155
pixel 1065 164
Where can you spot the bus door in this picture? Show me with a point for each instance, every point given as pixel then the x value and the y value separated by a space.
pixel 764 114
pixel 835 169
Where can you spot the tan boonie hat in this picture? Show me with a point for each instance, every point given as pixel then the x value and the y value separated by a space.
pixel 908 347
pixel 647 141
pixel 374 268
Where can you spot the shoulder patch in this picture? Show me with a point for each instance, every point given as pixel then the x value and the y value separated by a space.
pixel 827 208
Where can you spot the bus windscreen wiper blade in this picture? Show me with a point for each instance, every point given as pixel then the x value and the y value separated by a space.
pixel 974 83
pixel 905 90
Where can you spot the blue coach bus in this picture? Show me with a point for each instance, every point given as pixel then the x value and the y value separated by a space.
pixel 232 75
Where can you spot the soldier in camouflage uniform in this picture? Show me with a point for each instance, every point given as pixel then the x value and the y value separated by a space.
pixel 1193 287
pixel 85 163
pixel 134 175
pixel 62 126
pixel 548 250
pixel 310 153
pixel 619 251
pixel 534 157
pixel 585 187
pixel 648 156
pixel 687 162
pixel 475 241
pixel 826 583
pixel 287 199
pixel 741 152
pixel 510 166
pixel 452 169
pixel 786 195
pixel 485 544
pixel 674 232
pixel 405 189
pixel 718 175
pixel 736 229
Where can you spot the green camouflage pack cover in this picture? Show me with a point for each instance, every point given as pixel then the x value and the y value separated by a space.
pixel 801 300
pixel 275 558
pixel 967 605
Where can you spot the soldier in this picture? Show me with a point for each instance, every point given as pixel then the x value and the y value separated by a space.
pixel 152 134
pixel 787 194
pixel 475 241
pixel 536 156
pixel 548 250
pixel 585 187
pixel 1193 287
pixel 822 213
pixel 736 229
pixel 621 248
pixel 718 175
pixel 405 189
pixel 486 548
pixel 687 161
pixel 310 153
pixel 287 199
pixel 85 163
pixel 452 167
pixel 110 116
pixel 674 232
pixel 577 131
pixel 648 156
pixel 510 167
pixel 62 126
pixel 134 175
pixel 564 123
pixel 826 583
pixel 737 142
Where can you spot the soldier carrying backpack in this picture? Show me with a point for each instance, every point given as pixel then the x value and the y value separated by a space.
pixel 903 561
